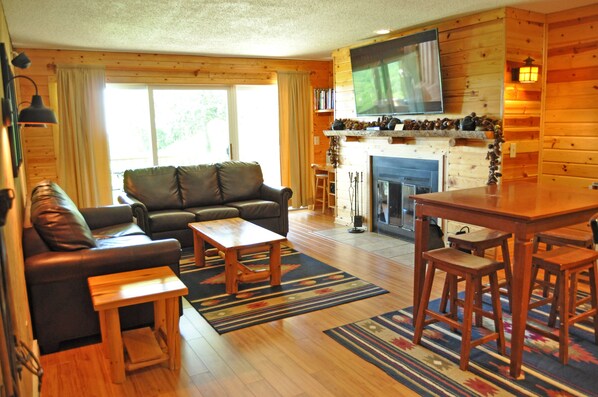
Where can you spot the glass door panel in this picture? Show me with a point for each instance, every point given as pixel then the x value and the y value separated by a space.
pixel 191 126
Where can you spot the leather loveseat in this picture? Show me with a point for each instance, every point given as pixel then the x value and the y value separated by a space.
pixel 166 199
pixel 65 246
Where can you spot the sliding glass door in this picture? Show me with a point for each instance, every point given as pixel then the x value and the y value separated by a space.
pixel 154 125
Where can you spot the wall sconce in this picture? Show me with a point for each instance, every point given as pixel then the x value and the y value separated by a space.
pixel 528 73
pixel 35 113
pixel 19 106
pixel 21 60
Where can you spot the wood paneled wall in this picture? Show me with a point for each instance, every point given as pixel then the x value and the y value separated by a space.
pixel 39 148
pixel 522 111
pixel 570 141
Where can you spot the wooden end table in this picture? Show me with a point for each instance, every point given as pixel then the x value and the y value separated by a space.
pixel 229 237
pixel 159 285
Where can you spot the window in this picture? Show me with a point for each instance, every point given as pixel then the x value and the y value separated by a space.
pixel 154 125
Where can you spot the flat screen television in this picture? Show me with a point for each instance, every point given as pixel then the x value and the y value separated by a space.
pixel 399 76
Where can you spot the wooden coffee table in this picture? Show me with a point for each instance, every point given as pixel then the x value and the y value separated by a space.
pixel 231 236
pixel 144 346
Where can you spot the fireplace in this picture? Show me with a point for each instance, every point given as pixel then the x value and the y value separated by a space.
pixel 394 179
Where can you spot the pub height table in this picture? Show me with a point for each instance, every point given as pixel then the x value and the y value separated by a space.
pixel 521 208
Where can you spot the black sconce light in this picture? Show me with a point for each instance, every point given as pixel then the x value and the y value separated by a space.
pixel 27 124
pixel 21 60
pixel 528 73
pixel 35 113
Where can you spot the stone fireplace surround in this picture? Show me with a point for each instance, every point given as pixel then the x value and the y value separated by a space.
pixel 461 157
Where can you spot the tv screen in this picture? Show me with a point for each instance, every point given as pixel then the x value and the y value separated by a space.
pixel 399 76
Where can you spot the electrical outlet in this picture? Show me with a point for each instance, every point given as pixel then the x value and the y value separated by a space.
pixel 316 140
pixel 513 150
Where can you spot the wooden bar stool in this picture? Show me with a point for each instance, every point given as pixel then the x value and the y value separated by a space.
pixel 477 243
pixel 320 193
pixel 565 262
pixel 471 268
pixel 578 235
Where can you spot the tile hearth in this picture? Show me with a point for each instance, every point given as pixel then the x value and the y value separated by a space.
pixel 399 251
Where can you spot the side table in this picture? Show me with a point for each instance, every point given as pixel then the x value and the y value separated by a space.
pixel 158 285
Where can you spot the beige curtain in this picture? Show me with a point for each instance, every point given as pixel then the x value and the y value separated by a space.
pixel 83 154
pixel 294 108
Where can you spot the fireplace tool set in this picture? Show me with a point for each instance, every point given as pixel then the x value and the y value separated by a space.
pixel 356 181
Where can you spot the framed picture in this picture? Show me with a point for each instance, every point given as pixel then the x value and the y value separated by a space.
pixel 14 133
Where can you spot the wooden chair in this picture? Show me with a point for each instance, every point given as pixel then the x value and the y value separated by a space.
pixel 471 268
pixel 565 263
pixel 477 243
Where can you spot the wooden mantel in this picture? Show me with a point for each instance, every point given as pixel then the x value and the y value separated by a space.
pixel 457 134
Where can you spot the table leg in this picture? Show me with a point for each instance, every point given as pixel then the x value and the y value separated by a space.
pixel 199 250
pixel 275 271
pixel 422 228
pixel 115 345
pixel 520 293
pixel 173 337
pixel 159 315
pixel 230 271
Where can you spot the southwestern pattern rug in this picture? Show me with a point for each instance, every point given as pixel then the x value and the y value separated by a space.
pixel 307 285
pixel 432 369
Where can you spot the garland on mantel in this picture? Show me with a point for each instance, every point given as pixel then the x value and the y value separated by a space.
pixel 471 122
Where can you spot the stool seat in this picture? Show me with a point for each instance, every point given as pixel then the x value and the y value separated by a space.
pixel 480 239
pixel 461 263
pixel 471 268
pixel 580 236
pixel 565 262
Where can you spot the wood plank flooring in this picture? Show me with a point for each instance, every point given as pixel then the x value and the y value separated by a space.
pixel 290 357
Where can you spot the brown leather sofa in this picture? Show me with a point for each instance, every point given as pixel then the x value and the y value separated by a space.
pixel 65 246
pixel 166 199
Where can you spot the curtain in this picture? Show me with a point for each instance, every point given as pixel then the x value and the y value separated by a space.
pixel 294 108
pixel 83 153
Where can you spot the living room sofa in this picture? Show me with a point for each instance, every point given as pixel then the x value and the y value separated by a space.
pixel 165 199
pixel 65 246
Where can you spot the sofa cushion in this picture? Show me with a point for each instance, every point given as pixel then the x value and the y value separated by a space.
pixel 156 187
pixel 58 220
pixel 213 212
pixel 256 209
pixel 199 185
pixel 240 180
pixel 166 220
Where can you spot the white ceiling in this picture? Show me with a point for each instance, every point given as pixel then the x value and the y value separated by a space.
pixel 308 29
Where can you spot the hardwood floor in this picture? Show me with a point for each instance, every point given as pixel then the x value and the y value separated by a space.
pixel 290 357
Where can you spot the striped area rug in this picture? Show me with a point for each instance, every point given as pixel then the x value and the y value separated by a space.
pixel 307 285
pixel 432 369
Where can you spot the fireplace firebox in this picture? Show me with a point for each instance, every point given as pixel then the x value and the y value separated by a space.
pixel 394 180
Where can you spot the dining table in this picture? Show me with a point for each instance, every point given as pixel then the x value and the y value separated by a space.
pixel 519 207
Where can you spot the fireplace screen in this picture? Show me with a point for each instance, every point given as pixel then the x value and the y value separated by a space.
pixel 394 205
pixel 395 179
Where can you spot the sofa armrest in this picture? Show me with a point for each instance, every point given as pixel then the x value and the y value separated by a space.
pixel 139 211
pixel 57 266
pixel 280 195
pixel 99 217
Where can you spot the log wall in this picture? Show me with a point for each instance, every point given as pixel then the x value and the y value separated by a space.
pixel 158 69
pixel 570 140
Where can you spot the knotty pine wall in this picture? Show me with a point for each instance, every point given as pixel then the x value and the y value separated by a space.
pixel 140 68
pixel 570 141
